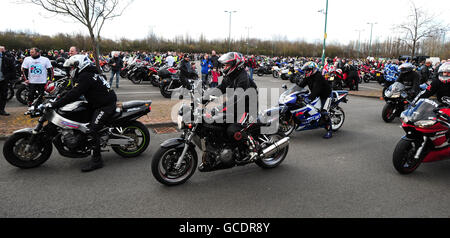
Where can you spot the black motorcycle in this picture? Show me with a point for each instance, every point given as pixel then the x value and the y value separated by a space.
pixel 176 160
pixel 397 101
pixel 67 129
pixel 264 69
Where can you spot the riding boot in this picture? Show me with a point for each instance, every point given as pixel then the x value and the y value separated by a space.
pixel 329 127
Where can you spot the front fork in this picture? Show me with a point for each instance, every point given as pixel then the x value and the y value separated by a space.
pixel 188 139
pixel 35 133
pixel 421 148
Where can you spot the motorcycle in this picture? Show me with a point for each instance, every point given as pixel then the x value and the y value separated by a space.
pixel 176 160
pixel 49 88
pixel 396 98
pixel 144 73
pixel 170 80
pixel 295 114
pixel 263 69
pixel 67 129
pixel 104 65
pixel 427 139
pixel 336 79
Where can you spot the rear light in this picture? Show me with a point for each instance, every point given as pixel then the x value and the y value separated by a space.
pixel 150 108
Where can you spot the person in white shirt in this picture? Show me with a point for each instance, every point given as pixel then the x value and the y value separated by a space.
pixel 36 69
pixel 170 60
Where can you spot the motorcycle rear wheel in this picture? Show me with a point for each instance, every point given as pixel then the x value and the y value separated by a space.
pixel 22 94
pixel 165 91
pixel 275 160
pixel 337 116
pixel 163 166
pixel 106 68
pixel 403 158
pixel 14 153
pixel 139 132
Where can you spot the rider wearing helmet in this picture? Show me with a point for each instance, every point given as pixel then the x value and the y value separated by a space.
pixel 101 98
pixel 237 79
pixel 440 86
pixel 410 78
pixel 319 89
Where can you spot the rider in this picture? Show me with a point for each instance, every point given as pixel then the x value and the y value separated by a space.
pixel 187 71
pixel 319 89
pixel 410 78
pixel 440 86
pixel 236 78
pixel 101 98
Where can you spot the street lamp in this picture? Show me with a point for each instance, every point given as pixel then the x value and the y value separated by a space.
pixel 371 31
pixel 248 37
pixel 359 41
pixel 229 34
pixel 325 34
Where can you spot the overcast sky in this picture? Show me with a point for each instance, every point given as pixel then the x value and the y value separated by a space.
pixel 295 19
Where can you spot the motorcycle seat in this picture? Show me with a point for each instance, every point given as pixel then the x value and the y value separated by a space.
pixel 132 104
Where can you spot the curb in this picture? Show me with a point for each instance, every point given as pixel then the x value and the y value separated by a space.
pixel 151 126
pixel 365 96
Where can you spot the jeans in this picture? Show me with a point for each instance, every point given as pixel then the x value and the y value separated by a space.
pixel 117 73
pixel 251 71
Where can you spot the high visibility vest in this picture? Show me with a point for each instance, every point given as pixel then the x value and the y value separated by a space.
pixel 158 59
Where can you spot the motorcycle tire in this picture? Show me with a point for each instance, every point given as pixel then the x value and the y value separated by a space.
pixel 366 79
pixel 165 91
pixel 165 157
pixel 275 74
pixel 106 68
pixel 155 82
pixel 260 73
pixel 124 73
pixel 337 116
pixel 290 126
pixel 277 159
pixel 10 94
pixel 403 158
pixel 10 152
pixel 22 95
pixel 388 114
pixel 136 79
pixel 133 130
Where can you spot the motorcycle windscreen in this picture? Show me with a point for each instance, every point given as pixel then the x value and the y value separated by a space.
pixel 424 110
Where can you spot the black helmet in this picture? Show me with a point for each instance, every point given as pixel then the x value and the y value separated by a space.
pixel 406 68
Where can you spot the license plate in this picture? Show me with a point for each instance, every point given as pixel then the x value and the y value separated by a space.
pixel 378 75
pixel 289 73
pixel 332 79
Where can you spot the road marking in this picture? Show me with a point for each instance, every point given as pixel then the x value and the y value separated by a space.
pixel 369 87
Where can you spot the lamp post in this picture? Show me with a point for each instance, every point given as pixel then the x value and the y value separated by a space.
pixel 229 32
pixel 248 37
pixel 359 42
pixel 325 34
pixel 371 31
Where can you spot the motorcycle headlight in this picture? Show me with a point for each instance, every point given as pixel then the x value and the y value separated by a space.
pixel 425 123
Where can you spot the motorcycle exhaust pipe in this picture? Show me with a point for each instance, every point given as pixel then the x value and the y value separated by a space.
pixel 275 148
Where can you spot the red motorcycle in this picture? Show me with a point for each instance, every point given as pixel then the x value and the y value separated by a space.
pixel 427 140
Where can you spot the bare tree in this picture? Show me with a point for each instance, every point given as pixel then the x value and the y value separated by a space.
pixel 91 13
pixel 419 25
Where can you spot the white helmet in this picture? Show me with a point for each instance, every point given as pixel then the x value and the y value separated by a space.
pixel 78 63
pixel 444 72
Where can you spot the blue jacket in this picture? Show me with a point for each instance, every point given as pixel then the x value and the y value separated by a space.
pixel 206 64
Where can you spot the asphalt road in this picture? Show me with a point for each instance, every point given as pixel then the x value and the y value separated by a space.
pixel 350 175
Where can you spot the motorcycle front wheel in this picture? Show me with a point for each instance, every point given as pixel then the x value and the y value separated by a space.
pixel 141 136
pixel 260 73
pixel 388 113
pixel 136 79
pixel 16 154
pixel 164 166
pixel 275 74
pixel 123 73
pixel 403 159
pixel 287 126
